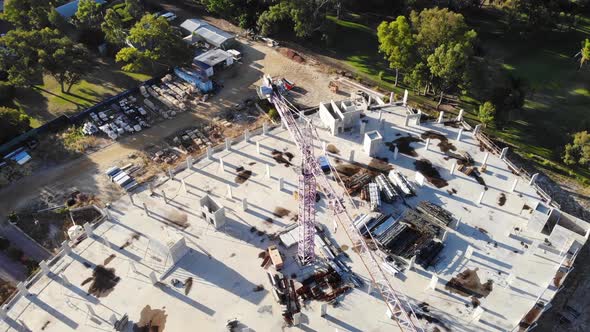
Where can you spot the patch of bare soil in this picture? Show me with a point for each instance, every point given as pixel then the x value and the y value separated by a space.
pixel 279 157
pixel 443 143
pixel 347 169
pixel 468 284
pixel 178 218
pixel 289 53
pixel 151 320
pixel 109 259
pixel 281 212
pixel 243 175
pixel 380 165
pixel 403 145
pixel 332 149
pixel 502 199
pixel 6 289
pixel 188 285
pixel 103 281
pixel 127 243
pixel 425 167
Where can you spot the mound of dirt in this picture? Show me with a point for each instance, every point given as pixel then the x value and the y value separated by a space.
pixel 289 53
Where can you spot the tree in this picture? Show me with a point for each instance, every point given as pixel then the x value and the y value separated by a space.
pixel 396 42
pixel 63 59
pixel 113 28
pixel 585 52
pixel 19 57
pixel 57 21
pixel 27 14
pixel 486 113
pixel 578 152
pixel 154 41
pixel 302 17
pixel 89 14
pixel 134 8
pixel 434 27
pixel 13 123
pixel 448 65
pixel 418 77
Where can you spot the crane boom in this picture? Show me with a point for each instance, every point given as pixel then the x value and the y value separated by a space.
pixel 399 306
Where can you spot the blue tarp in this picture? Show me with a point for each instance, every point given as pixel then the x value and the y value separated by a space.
pixel 204 84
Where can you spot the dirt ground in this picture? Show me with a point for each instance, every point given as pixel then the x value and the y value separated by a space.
pixel 86 173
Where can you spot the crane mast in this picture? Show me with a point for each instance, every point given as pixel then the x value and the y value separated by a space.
pixel 399 306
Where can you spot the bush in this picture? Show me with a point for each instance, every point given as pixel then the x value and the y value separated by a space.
pixel 15 254
pixel 274 114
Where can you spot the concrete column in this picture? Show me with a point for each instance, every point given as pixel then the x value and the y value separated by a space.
pixel 247 135
pixel 460 116
pixel 412 263
pixel 476 129
pixel 504 153
pixel 183 184
pixel 91 311
pixel 44 267
pixel 165 198
pixel 363 127
pixel 324 306
pixel 88 230
pixel 351 156
pixel 390 102
pixel 170 173
pixel 209 152
pixel 459 134
pixel 297 317
pixel 258 147
pixel 65 246
pixel 229 192
pixel 407 120
pixel 65 280
pixel 477 314
pixel 153 278
pixel 380 115
pixel 267 171
pixel 444 236
pixel 228 143
pixel 457 224
pixel 468 252
pixel 427 144
pixel 221 165
pixel 189 162
pixel 133 267
pixel 418 118
pixel 441 116
pixel 370 100
pixel 151 188
pixel 382 123
pixel 395 152
pixel 533 179
pixel 433 282
pixel 264 128
pixel 280 184
pixel 481 197
pixel 105 241
pixel 3 313
pixel 131 197
pixel 22 289
pixel 453 167
pixel 510 279
pixel 485 159
pixel 107 212
pixel 324 147
pixel 514 184
pixel 147 213
pixel 244 204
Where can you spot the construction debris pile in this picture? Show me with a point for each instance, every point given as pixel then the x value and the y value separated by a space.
pixel 325 285
pixel 193 139
pixel 414 233
pixel 127 115
pixel 283 290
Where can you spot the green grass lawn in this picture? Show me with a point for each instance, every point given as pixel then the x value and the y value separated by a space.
pixel 558 95
pixel 46 102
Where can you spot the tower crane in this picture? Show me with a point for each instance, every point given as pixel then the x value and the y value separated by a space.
pixel 311 176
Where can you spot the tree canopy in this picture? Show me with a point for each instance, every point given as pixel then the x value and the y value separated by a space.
pixel 12 123
pixel 578 152
pixel 27 14
pixel 396 42
pixel 486 113
pixel 154 42
pixel 89 14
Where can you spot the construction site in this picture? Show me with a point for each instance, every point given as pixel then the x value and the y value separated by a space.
pixel 357 215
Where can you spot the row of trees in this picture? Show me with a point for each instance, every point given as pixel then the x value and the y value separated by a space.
pixel 434 49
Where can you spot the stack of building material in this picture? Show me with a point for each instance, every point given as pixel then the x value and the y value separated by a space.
pixel 435 213
pixel 283 290
pixel 374 197
pixel 357 182
pixel 387 188
pixel 402 183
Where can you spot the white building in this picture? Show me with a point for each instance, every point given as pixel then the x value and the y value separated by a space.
pixel 213 212
pixel 341 117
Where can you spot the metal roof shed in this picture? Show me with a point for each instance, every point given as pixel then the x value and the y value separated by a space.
pixel 209 33
pixel 215 57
